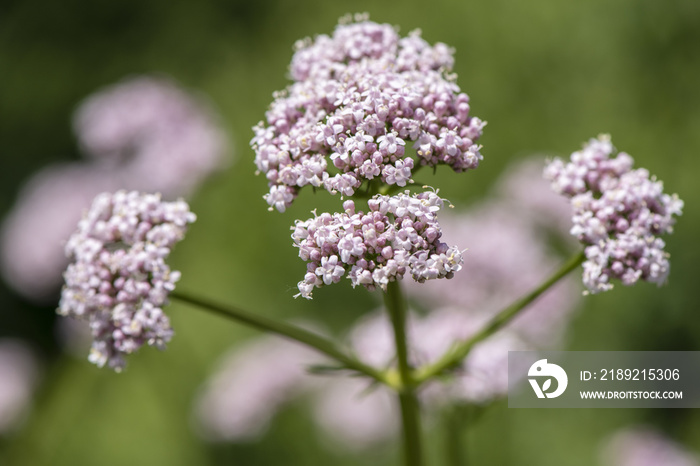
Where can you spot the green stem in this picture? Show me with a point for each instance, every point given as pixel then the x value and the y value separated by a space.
pixel 459 351
pixel 408 401
pixel 454 421
pixel 284 329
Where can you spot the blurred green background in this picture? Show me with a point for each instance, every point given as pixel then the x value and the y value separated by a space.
pixel 546 74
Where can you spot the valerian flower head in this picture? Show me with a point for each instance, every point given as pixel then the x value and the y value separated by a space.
pixel 400 234
pixel 118 279
pixel 360 99
pixel 618 214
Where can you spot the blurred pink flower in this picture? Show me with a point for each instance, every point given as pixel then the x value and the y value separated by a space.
pixel 506 258
pixel 18 376
pixel 250 385
pixel 159 137
pixel 35 231
pixel 508 255
pixel 643 446
pixel 254 381
pixel 355 414
pixel 523 185
pixel 482 376
pixel 143 134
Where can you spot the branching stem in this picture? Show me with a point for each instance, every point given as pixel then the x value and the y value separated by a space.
pixel 293 332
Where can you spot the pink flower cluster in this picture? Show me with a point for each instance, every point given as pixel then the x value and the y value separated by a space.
pixel 399 234
pixel 359 98
pixel 619 212
pixel 508 258
pixel 118 279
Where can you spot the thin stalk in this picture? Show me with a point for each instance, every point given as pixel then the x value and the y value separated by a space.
pixel 293 332
pixel 408 401
pixel 459 351
pixel 455 443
